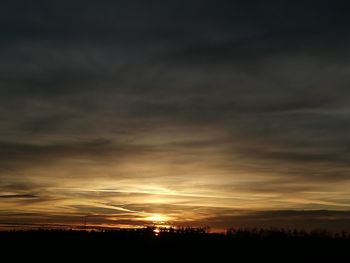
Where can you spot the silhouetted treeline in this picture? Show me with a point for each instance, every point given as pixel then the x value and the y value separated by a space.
pixel 169 243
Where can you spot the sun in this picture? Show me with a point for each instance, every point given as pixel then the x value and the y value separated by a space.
pixel 157 218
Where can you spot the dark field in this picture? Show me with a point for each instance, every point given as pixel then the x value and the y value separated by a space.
pixel 118 245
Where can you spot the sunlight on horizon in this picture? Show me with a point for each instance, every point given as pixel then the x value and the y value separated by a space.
pixel 157 218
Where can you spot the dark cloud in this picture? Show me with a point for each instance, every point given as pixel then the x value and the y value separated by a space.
pixel 19 156
pixel 309 220
pixel 20 196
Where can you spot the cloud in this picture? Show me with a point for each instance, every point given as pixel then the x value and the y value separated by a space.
pixel 18 196
pixel 309 220
pixel 172 105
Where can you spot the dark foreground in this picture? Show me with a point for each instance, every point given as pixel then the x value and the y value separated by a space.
pixel 116 246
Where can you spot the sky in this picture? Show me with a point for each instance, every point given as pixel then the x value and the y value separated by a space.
pixel 196 113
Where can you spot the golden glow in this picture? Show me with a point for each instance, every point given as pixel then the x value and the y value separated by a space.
pixel 155 189
pixel 157 218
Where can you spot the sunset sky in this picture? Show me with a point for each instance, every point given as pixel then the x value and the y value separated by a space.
pixel 189 112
